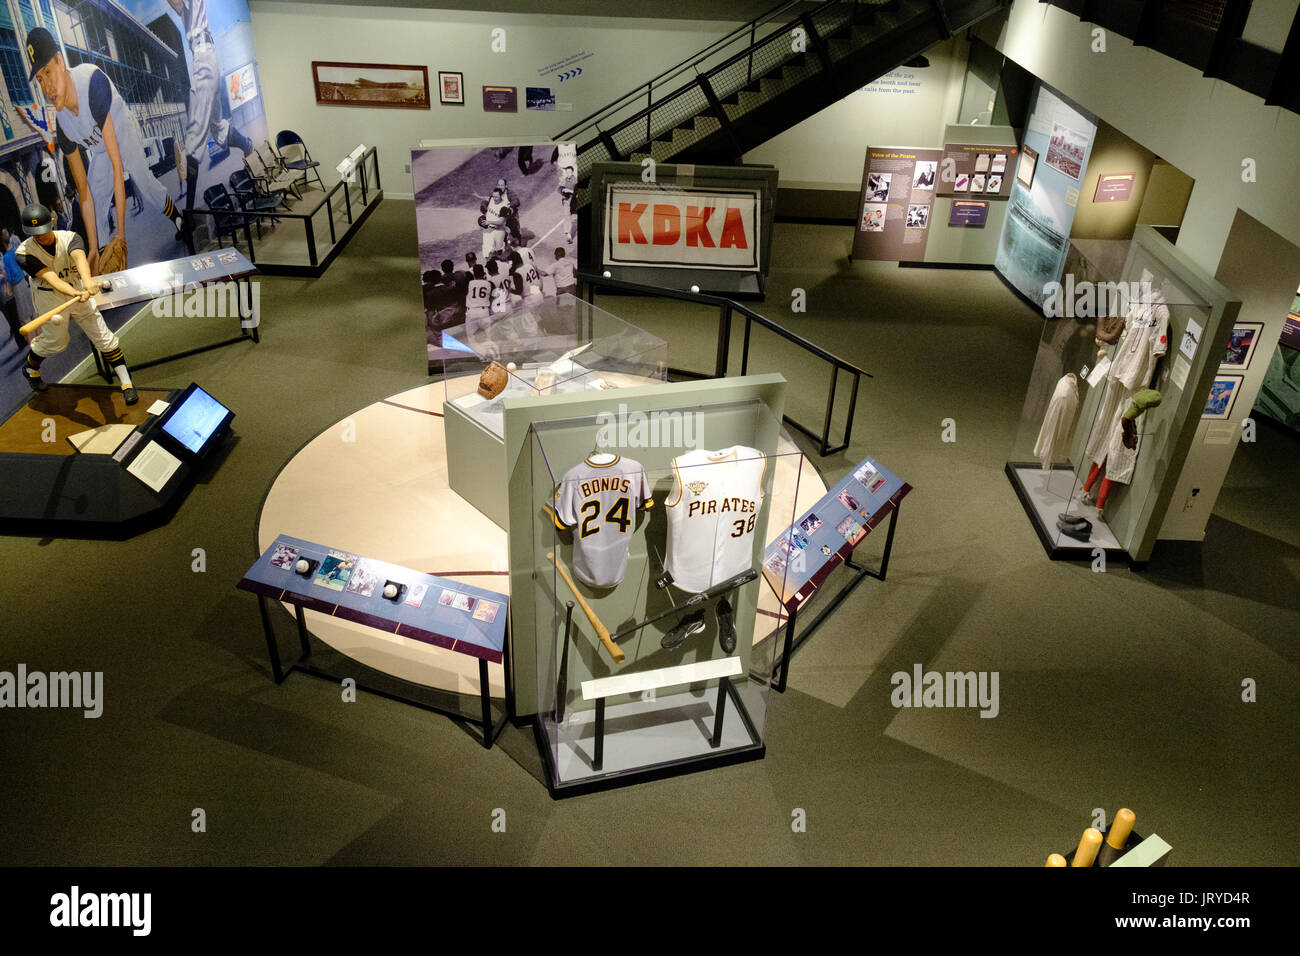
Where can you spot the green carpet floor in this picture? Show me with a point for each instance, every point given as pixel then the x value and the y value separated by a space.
pixel 1116 689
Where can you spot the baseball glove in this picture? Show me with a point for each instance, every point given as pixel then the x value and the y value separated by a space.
pixel 178 153
pixel 112 258
pixel 482 222
pixel 493 381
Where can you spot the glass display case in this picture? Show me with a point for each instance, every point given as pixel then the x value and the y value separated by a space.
pixel 1123 348
pixel 647 535
pixel 553 346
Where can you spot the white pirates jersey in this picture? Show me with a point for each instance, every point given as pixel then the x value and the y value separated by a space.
pixel 1145 339
pixel 712 513
pixel 478 298
pixel 97 99
pixel 34 258
pixel 529 281
pixel 496 213
pixel 599 502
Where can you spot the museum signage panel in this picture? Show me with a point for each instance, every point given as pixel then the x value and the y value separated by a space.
pixel 682 228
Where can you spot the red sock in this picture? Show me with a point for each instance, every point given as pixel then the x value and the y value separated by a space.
pixel 1093 472
pixel 1103 493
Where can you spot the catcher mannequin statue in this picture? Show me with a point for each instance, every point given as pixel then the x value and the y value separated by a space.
pixel 56 261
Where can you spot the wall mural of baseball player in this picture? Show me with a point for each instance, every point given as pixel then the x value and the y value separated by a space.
pixel 496 232
pixel 117 118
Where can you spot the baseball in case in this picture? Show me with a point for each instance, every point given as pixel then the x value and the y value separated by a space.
pixel 652 526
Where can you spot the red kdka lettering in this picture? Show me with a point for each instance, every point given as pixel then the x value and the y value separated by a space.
pixel 629 222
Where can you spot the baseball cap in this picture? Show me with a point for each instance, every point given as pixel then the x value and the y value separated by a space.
pixel 41 48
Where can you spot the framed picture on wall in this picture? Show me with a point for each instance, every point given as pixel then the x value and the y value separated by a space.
pixel 1223 395
pixel 371 84
pixel 1026 167
pixel 451 88
pixel 1241 345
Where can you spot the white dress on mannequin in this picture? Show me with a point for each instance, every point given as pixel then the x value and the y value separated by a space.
pixel 1058 423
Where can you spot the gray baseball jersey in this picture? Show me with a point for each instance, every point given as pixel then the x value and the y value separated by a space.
pixel 599 502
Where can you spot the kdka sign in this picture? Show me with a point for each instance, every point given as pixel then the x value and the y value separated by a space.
pixel 678 228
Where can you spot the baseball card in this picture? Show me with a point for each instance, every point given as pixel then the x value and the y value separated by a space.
pixel 415 595
pixel 810 524
pixel 335 570
pixel 848 501
pixel 447 598
pixel 851 530
pixel 285 557
pixel 462 602
pixel 493 224
pixel 486 611
pixel 363 581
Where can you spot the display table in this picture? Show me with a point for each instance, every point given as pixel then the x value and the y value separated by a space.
pixel 378 482
pixel 171 283
pixel 457 617
pixel 798 563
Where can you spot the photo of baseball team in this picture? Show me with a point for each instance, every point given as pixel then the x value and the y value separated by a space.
pixel 112 151
pixel 497 233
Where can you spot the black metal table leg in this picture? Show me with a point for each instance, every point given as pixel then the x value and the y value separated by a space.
pixel 272 648
pixel 718 712
pixel 784 667
pixel 304 639
pixel 562 679
pixel 485 695
pixel 598 761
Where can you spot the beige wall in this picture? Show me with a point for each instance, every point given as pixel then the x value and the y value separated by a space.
pixel 289 36
pixel 1112 152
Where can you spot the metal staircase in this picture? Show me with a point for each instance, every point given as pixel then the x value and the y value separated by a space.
pixel 763 78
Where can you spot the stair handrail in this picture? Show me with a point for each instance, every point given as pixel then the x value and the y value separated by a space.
pixel 687 64
pixel 590 281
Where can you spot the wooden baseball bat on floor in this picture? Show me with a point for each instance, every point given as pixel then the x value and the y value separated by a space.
pixel 40 320
pixel 602 631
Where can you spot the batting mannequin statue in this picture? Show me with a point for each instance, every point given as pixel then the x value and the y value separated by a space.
pixel 56 261
pixel 206 117
pixel 91 115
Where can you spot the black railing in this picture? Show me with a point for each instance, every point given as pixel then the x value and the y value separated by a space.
pixel 727 308
pixel 367 167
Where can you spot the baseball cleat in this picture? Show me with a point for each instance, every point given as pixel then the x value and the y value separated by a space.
pixel 726 626
pixel 36 382
pixel 130 396
pixel 691 624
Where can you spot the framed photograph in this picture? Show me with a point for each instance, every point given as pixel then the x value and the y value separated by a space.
pixel 1026 167
pixel 451 88
pixel 371 84
pixel 1241 345
pixel 1223 395
pixel 500 99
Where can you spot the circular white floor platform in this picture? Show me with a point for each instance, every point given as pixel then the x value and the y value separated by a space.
pixel 376 484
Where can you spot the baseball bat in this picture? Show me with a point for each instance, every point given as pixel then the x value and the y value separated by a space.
pixel 40 320
pixel 562 685
pixel 1088 846
pixel 1120 830
pixel 602 631
pixel 1055 859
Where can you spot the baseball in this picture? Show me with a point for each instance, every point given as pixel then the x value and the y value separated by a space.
pixel 390 591
pixel 695 288
pixel 510 366
pixel 606 273
pixel 302 566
